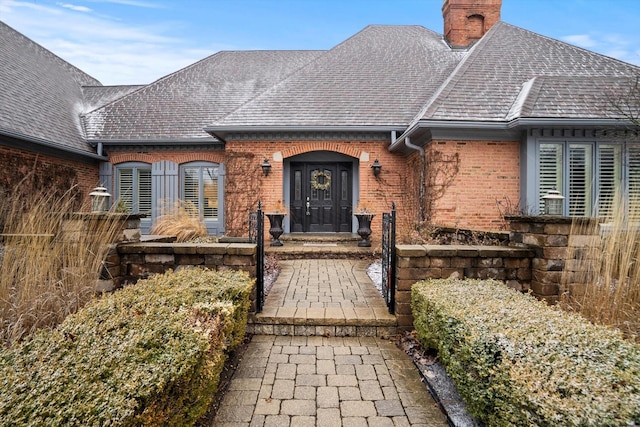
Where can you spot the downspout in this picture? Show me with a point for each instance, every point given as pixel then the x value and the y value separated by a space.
pixel 423 161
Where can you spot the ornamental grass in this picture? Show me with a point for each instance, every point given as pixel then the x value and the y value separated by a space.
pixel 604 282
pixel 181 220
pixel 45 273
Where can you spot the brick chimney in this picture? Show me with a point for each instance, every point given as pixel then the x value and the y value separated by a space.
pixel 466 21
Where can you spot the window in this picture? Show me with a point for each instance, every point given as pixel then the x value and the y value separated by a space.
pixel 200 187
pixel 590 175
pixel 133 187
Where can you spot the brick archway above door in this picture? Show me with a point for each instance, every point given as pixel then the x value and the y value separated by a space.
pixel 331 146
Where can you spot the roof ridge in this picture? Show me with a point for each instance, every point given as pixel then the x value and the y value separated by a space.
pixel 290 75
pixel 460 68
pixel 66 64
pixel 316 60
pixel 523 101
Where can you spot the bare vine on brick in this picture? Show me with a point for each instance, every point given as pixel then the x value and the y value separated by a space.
pixel 242 191
pixel 427 182
pixel 22 176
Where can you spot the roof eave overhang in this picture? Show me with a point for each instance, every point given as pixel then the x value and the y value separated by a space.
pixel 221 132
pixel 41 142
pixel 154 141
pixel 501 129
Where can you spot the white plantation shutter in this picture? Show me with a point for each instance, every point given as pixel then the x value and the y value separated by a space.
pixel 580 178
pixel 144 191
pixel 633 153
pixel 609 178
pixel 550 172
pixel 210 192
pixel 124 187
pixel 191 186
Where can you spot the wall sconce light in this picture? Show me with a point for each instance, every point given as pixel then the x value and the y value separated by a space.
pixel 266 167
pixel 553 203
pixel 377 167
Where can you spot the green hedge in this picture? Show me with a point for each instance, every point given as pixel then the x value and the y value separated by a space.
pixel 148 354
pixel 517 361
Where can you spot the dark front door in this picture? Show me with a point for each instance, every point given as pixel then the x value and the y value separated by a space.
pixel 321 197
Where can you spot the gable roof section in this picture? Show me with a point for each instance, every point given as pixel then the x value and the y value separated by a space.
pixel 379 77
pixel 40 94
pixel 487 84
pixel 178 106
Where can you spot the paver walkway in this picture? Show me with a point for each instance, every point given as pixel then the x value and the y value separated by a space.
pixel 318 381
pixel 332 297
pixel 293 380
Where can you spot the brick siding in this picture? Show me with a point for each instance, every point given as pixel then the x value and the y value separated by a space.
pixel 46 172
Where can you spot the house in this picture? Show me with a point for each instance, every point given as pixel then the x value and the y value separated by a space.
pixel 486 113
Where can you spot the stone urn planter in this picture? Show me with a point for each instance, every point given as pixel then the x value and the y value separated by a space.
pixel 275 220
pixel 364 228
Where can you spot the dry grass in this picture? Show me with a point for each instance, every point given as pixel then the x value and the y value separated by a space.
pixel 46 274
pixel 605 287
pixel 181 220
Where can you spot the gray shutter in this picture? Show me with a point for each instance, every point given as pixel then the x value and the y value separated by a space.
pixel 171 170
pixel 106 176
pixel 157 188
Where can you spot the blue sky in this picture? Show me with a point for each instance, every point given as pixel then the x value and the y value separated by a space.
pixel 139 41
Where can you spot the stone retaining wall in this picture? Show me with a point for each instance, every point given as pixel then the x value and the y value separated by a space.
pixel 557 243
pixel 419 262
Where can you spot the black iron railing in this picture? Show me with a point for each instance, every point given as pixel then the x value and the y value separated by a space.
pixel 256 235
pixel 389 257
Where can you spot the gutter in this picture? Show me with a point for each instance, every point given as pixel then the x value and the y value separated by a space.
pixel 49 144
pixel 215 130
pixel 116 142
pixel 423 166
pixel 503 125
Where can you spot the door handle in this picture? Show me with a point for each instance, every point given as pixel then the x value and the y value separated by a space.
pixel 308 212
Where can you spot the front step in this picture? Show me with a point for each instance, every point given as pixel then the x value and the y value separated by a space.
pixel 260 324
pixel 321 246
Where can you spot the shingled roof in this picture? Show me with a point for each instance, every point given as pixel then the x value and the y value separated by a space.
pixel 379 77
pixel 41 95
pixel 178 106
pixel 487 84
pixel 98 96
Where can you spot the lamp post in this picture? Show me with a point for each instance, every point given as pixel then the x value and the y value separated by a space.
pixel 553 202
pixel 99 199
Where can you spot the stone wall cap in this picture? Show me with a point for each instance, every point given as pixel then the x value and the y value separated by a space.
pixel 410 250
pixel 552 219
pixel 241 248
